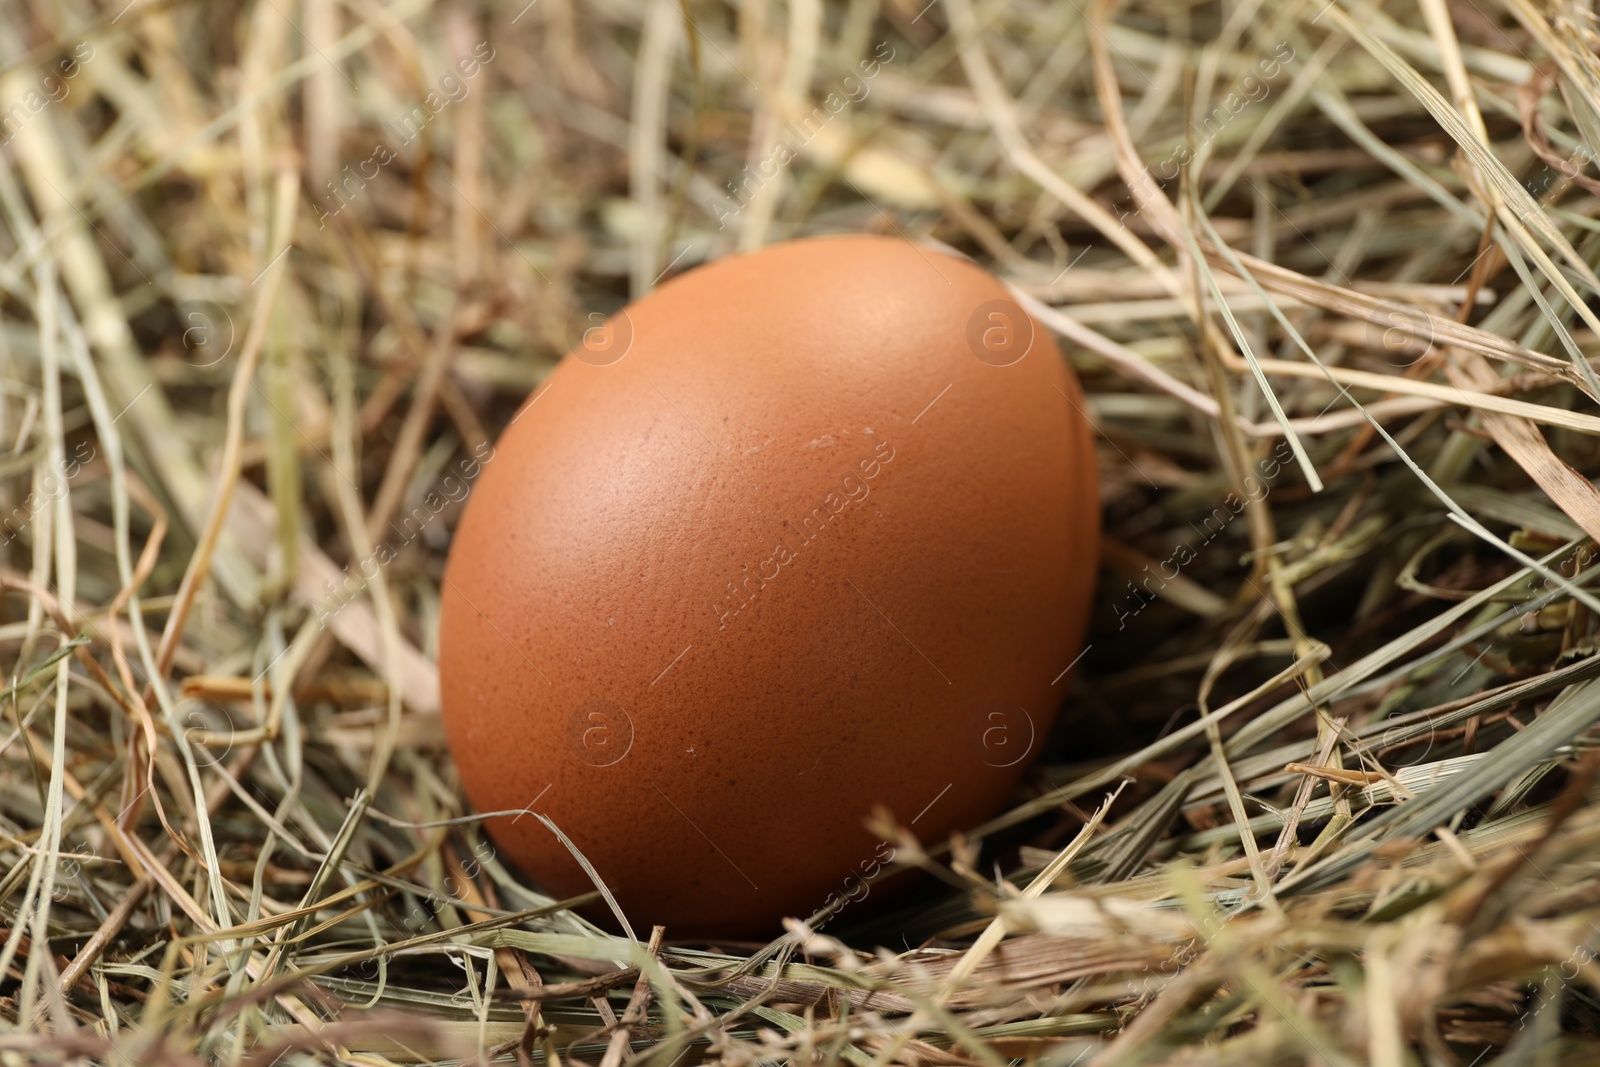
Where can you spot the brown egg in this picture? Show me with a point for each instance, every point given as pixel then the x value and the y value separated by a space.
pixel 802 532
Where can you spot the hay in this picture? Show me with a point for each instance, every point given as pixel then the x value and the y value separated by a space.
pixel 1327 270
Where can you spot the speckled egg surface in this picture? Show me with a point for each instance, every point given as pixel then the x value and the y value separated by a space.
pixel 802 532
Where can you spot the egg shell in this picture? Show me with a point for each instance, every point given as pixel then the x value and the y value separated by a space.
pixel 802 532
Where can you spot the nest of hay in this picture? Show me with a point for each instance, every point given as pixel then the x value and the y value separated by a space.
pixel 1327 271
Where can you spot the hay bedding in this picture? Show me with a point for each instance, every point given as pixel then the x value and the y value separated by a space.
pixel 273 271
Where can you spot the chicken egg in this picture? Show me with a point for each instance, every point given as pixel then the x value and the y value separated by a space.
pixel 801 533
